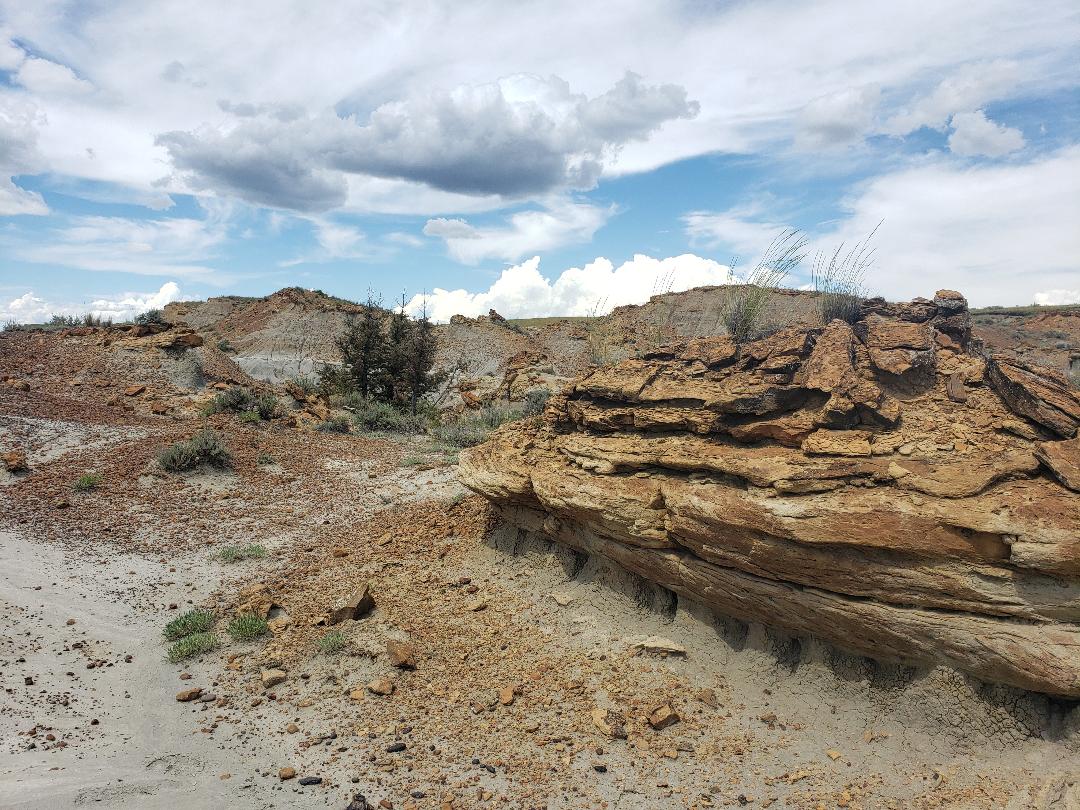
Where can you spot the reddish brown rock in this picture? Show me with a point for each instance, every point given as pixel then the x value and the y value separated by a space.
pixel 14 461
pixel 356 605
pixel 853 483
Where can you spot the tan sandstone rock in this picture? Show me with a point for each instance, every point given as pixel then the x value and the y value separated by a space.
pixel 860 484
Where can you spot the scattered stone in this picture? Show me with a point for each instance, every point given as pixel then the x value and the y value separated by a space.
pixel 186 695
pixel 286 773
pixel 310 780
pixel 609 722
pixel 663 716
pixel 272 677
pixel 355 606
pixel 833 754
pixel 381 686
pixel 476 606
pixel 395 748
pixel 506 695
pixel 359 802
pixel 14 461
pixel 402 654
pixel 658 645
pixel 134 390
pixel 562 599
pixel 292 728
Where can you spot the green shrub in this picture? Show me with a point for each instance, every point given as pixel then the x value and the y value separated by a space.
pixel 11 325
pixel 332 642
pixel 233 399
pixel 190 646
pixel 265 459
pixel 474 427
pixel 232 554
pixel 205 447
pixel 87 482
pixel 249 416
pixel 266 405
pixel 151 316
pixel 372 417
pixel 335 424
pixel 535 401
pixel 247 627
pixel 194 621
pixel 224 345
pixel 306 384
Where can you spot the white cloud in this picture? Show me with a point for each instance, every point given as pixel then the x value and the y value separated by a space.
pixel 974 134
pixel 998 233
pixel 744 228
pixel 15 200
pixel 30 308
pixel 968 88
pixel 11 55
pixel 522 292
pixel 1057 297
pixel 114 244
pixel 561 223
pixel 838 119
pixel 45 78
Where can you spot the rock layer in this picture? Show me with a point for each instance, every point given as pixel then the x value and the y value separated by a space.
pixel 879 485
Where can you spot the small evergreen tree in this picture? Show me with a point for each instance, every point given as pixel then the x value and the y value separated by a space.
pixel 363 348
pixel 420 348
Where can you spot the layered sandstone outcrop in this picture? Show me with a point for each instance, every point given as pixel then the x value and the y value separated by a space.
pixel 879 485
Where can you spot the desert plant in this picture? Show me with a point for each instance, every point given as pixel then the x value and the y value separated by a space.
pixel 190 646
pixel 87 482
pixel 332 642
pixel 11 325
pixel 234 399
pixel 249 416
pixel 838 280
pixel 372 416
pixel 232 554
pixel 535 401
pixel 335 424
pixel 306 384
pixel 224 345
pixel 151 317
pixel 474 427
pixel 64 321
pixel 744 304
pixel 266 405
pixel 193 621
pixel 600 336
pixel 247 627
pixel 264 459
pixel 205 447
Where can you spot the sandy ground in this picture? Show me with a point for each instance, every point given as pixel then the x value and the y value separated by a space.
pixel 764 720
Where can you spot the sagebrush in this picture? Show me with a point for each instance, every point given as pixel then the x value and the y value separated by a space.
pixel 205 447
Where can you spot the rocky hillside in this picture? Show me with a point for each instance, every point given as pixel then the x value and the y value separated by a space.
pixel 879 485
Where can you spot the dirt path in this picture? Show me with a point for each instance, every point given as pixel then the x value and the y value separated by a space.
pixel 144 750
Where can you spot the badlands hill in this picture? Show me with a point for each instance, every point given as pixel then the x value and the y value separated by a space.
pixel 292 332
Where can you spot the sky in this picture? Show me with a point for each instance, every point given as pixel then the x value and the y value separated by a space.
pixel 555 158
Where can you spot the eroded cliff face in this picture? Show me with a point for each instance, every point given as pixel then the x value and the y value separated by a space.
pixel 881 486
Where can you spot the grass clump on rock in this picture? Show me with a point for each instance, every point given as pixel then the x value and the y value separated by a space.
pixel 332 642
pixel 232 554
pixel 194 621
pixel 205 447
pixel 86 482
pixel 743 308
pixel 247 627
pixel 190 646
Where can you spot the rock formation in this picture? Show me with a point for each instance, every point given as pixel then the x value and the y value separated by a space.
pixel 879 485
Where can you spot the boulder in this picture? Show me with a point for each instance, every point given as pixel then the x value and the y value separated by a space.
pixel 14 461
pixel 855 483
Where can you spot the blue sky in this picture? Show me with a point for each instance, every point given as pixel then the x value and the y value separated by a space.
pixel 548 158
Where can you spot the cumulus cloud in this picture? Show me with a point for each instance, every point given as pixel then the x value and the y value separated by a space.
pixel 31 308
pixel 19 122
pixel 11 55
pixel 518 136
pixel 974 134
pixel 522 292
pixel 561 223
pixel 1057 297
pixel 998 233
